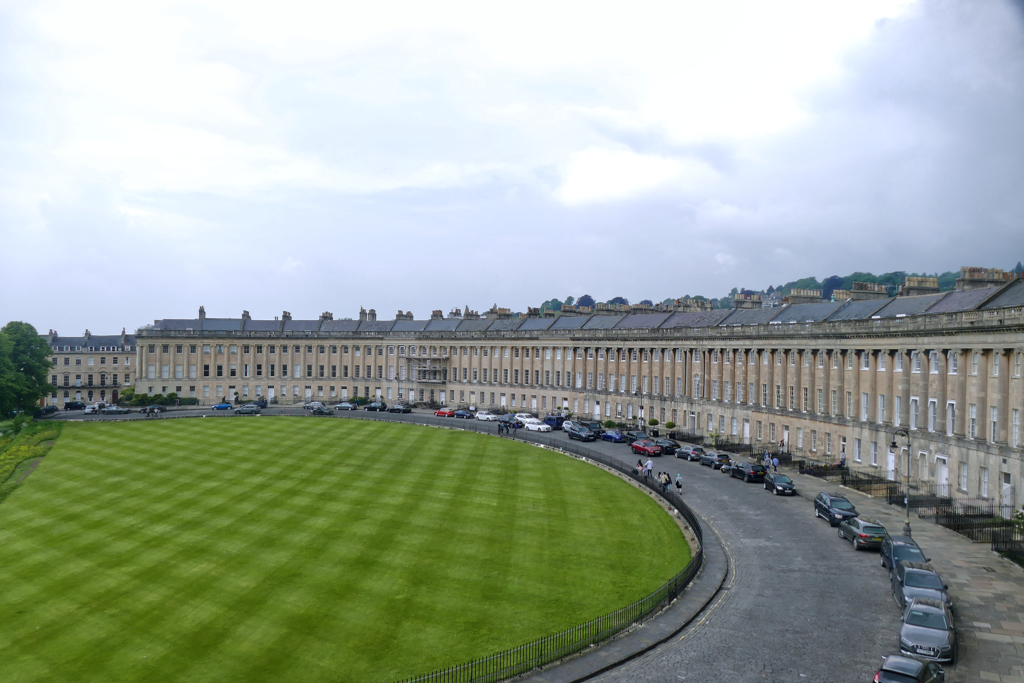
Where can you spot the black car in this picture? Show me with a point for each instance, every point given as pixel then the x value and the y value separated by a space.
pixel 668 446
pixel 917 580
pixel 376 406
pixel 896 549
pixel 114 410
pixel 74 405
pixel 928 631
pixel 747 471
pixel 902 669
pixel 630 437
pixel 399 408
pixel 833 507
pixel 344 405
pixel 154 409
pixel 862 533
pixel 48 410
pixel 260 403
pixel 321 410
pixel 595 427
pixel 508 419
pixel 580 433
pixel 779 484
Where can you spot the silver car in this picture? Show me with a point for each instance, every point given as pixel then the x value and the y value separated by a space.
pixel 917 580
pixel 689 452
pixel 928 631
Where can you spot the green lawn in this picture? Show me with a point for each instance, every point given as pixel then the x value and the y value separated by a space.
pixel 299 549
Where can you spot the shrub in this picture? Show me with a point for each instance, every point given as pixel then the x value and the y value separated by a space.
pixel 653 422
pixel 610 424
pixel 670 425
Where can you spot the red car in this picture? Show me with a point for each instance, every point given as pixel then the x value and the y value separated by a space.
pixel 445 412
pixel 645 447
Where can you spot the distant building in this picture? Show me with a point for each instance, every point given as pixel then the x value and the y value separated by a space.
pixel 91 368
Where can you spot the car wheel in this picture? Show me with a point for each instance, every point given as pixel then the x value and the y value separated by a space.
pixel 746 479
pixel 775 491
pixel 881 561
pixel 856 544
pixel 841 534
pixel 817 513
pixel 766 486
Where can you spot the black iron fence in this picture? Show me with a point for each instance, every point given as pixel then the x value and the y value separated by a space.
pixel 1009 542
pixel 977 519
pixel 519 660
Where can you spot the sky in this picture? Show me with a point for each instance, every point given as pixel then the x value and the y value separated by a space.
pixel 327 156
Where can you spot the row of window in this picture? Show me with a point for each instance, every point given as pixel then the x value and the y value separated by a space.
pixel 67 349
pixel 91 360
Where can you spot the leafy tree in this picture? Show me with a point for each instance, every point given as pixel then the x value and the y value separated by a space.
pixel 831 284
pixel 670 425
pixel 551 305
pixel 646 302
pixel 653 422
pixel 569 300
pixel 586 300
pixel 619 300
pixel 24 367
pixel 1019 269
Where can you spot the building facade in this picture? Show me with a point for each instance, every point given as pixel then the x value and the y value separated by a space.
pixel 825 378
pixel 91 368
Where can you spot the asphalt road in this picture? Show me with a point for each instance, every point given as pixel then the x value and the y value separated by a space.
pixel 799 604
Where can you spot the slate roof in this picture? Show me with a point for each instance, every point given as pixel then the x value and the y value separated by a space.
pixel 642 321
pixel 569 322
pixel 176 324
pixel 535 324
pixel 339 326
pixel 1012 295
pixel 375 325
pixel 477 325
pixel 262 325
pixel 222 324
pixel 110 341
pixel 859 310
pixel 750 316
pixel 695 319
pixel 908 305
pixel 409 325
pixel 603 322
pixel 445 325
pixel 505 324
pixel 300 325
pixel 954 302
pixel 807 313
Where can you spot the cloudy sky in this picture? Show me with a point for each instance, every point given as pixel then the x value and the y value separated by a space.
pixel 322 156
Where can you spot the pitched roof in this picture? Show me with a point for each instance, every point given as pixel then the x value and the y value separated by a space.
pixel 858 310
pixel 954 302
pixel 569 322
pixel 908 305
pixel 339 326
pixel 409 325
pixel 807 313
pixel 1012 295
pixel 642 321
pixel 695 319
pixel 506 324
pixel 603 322
pixel 750 316
pixel 443 325
pixel 536 324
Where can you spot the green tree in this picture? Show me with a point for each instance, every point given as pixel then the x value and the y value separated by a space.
pixel 25 363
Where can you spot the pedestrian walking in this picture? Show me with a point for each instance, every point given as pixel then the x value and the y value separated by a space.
pixel 679 484
pixel 775 464
pixel 842 458
pixel 666 481
pixel 649 466
pixel 639 468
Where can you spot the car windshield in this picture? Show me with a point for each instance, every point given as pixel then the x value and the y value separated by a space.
pixel 923 580
pixel 782 479
pixel 926 619
pixel 840 504
pixel 907 552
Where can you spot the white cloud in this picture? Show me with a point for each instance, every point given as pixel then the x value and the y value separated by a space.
pixel 595 175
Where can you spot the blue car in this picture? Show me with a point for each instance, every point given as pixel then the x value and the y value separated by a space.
pixel 464 414
pixel 613 435
pixel 221 406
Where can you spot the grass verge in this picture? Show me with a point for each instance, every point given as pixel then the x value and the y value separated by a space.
pixel 33 442
pixel 269 549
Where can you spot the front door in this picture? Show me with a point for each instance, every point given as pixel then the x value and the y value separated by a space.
pixel 941 477
pixel 597 409
pixel 746 431
pixel 890 466
pixel 1006 496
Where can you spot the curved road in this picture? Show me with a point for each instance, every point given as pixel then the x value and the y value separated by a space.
pixel 798 605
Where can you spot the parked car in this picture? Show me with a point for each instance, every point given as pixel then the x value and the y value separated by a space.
pixel 554 420
pixel 779 484
pixel 376 407
pixel 486 416
pixel 74 405
pixel 928 631
pixel 645 447
pixel 509 419
pixel 48 410
pixel 917 580
pixel 94 409
pixel 595 427
pixel 747 471
pixel 154 409
pixel 444 412
pixel 321 410
pixel 896 549
pixel 690 452
pixel 536 425
pixel 464 414
pixel 523 417
pixel 114 410
pixel 309 405
pixel 574 431
pixel 714 460
pixel 399 408
pixel 630 437
pixel 261 402
pixel 221 406
pixel 613 435
pixel 833 507
pixel 668 446
pixel 901 669
pixel 345 405
pixel 863 533
pixel 251 409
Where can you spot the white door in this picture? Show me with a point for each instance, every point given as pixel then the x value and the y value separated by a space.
pixel 890 466
pixel 270 394
pixel 941 477
pixel 533 404
pixel 597 409
pixel 1006 497
pixel 442 398
pixel 377 391
pixel 503 400
pixel 785 436
pixel 344 393
pixel 309 393
pixel 746 431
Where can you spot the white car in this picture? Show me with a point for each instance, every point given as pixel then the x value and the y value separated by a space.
pixel 535 425
pixel 523 417
pixel 94 409
pixel 486 416
pixel 568 424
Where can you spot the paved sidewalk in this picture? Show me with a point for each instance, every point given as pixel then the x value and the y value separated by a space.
pixel 987 590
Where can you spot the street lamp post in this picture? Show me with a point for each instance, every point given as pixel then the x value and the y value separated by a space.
pixel 906 475
pixel 640 412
